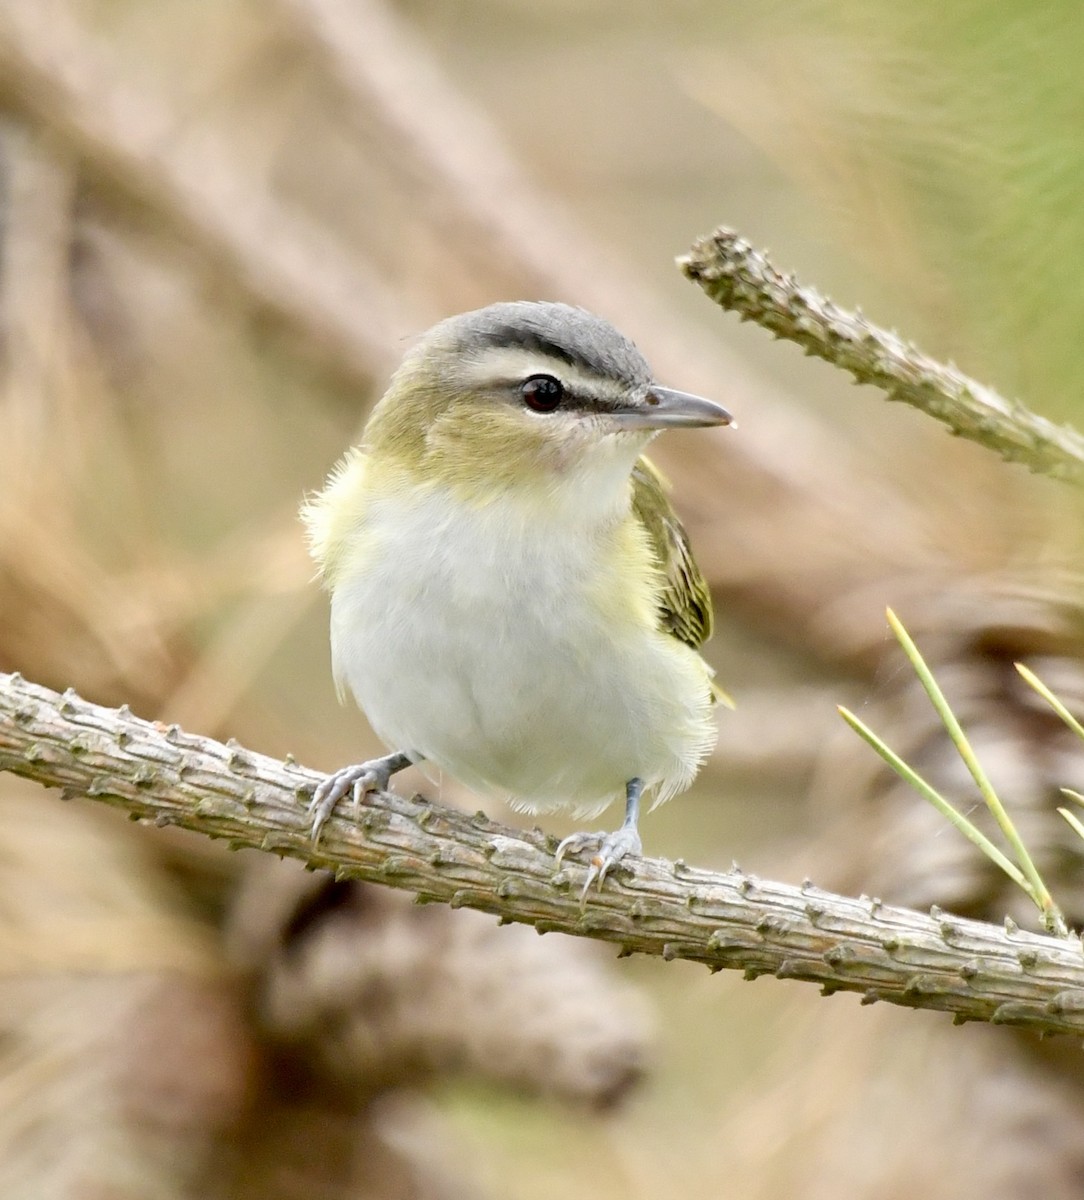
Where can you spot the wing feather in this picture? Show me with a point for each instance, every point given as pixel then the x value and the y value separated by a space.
pixel 685 601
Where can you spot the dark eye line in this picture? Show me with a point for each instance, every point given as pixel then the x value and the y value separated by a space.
pixel 570 399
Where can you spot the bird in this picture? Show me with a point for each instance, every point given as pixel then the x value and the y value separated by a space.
pixel 513 599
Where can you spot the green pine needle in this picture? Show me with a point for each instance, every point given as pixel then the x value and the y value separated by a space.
pixel 1038 890
pixel 1023 872
pixel 1073 820
pixel 943 806
pixel 1034 681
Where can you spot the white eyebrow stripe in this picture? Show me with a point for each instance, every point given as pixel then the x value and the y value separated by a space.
pixel 507 364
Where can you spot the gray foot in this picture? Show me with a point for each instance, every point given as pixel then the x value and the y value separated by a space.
pixel 607 850
pixel 371 776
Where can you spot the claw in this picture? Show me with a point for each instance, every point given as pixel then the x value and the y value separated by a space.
pixel 358 780
pixel 609 849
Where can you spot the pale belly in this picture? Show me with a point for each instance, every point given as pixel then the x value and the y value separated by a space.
pixel 490 657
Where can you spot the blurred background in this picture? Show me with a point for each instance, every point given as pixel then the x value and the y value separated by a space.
pixel 220 223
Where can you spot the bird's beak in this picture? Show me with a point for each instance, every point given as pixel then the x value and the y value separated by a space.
pixel 663 408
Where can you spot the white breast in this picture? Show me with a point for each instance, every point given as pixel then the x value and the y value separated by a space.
pixel 476 637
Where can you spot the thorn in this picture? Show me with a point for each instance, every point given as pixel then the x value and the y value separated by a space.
pixel 837 956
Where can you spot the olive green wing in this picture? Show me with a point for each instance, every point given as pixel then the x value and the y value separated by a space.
pixel 685 603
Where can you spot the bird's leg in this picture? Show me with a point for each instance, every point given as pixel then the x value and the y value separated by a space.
pixel 609 848
pixel 371 776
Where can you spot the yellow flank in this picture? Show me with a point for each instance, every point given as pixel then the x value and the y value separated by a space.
pixel 628 587
pixel 333 516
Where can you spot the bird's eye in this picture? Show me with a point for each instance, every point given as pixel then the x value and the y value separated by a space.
pixel 542 393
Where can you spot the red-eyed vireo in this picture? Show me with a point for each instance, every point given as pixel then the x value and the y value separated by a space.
pixel 513 599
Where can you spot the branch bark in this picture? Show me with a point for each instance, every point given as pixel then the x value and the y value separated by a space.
pixel 160 774
pixel 743 280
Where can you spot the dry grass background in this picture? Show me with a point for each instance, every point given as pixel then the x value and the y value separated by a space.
pixel 220 221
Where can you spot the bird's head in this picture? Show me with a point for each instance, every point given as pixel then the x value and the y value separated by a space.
pixel 526 396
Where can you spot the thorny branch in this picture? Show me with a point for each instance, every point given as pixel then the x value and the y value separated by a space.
pixel 161 774
pixel 742 280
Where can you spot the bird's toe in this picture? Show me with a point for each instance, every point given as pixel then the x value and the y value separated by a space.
pixel 607 850
pixel 355 780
